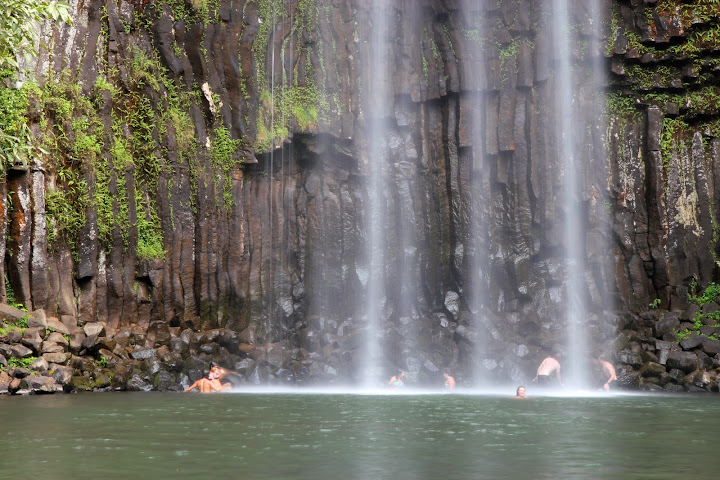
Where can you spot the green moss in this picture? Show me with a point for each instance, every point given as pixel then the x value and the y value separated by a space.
pixel 674 133
pixel 16 144
pixel 65 208
pixel 305 105
pixel 222 158
pixel 150 234
pixel 20 362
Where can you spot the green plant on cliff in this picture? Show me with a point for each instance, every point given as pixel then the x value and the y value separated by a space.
pixel 18 37
pixel 18 32
pixel 674 131
pixel 73 139
pixel 222 158
pixel 15 142
pixel 709 295
pixel 10 296
pixel 20 362
pixel 711 318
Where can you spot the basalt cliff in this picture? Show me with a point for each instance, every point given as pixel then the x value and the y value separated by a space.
pixel 202 191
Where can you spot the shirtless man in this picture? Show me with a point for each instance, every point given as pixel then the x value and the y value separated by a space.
pixel 449 381
pixel 204 385
pixel 608 371
pixel 545 371
pixel 211 382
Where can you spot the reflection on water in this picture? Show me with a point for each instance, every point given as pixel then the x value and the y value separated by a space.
pixel 358 436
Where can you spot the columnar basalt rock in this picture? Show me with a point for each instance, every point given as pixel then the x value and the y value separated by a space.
pixel 216 154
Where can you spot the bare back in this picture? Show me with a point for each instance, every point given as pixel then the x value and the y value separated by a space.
pixel 608 370
pixel 548 366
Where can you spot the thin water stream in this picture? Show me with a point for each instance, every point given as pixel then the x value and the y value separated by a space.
pixel 358 436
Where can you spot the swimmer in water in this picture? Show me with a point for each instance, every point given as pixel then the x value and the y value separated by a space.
pixel 449 381
pixel 397 381
pixel 212 381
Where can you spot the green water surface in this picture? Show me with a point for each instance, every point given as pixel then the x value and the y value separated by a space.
pixel 356 436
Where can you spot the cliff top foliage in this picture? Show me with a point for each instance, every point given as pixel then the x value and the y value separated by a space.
pixel 18 32
pixel 18 37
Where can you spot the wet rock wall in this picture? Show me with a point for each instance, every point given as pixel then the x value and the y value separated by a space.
pixel 226 177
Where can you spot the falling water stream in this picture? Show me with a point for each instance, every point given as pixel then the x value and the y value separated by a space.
pixel 380 170
pixel 376 167
pixel 478 254
pixel 570 125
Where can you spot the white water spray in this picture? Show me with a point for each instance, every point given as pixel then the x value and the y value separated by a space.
pixel 573 122
pixel 375 253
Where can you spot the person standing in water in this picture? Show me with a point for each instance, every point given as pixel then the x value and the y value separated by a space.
pixel 545 371
pixel 398 380
pixel 449 381
pixel 211 382
pixel 206 384
pixel 608 372
pixel 520 393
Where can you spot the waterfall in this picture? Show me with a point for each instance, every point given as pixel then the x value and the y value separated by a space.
pixel 376 165
pixel 575 147
pixel 478 264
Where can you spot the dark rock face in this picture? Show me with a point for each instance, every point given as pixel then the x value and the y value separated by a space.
pixel 226 163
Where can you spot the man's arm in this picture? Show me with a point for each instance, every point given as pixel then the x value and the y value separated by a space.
pixel 194 385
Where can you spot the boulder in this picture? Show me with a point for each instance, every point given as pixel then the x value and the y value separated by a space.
pixel 14 385
pixel 172 361
pixel 21 372
pixel 58 338
pixel 20 351
pixel 102 380
pixel 76 342
pixel 138 384
pixel 684 361
pixel 159 333
pixel 710 346
pixel 110 357
pixel 31 339
pixel 665 325
pixel 208 348
pixel 630 358
pixel 665 345
pixel 693 341
pixel 5 380
pixel 10 313
pixel 59 327
pixel 52 347
pixel 40 384
pixel 177 344
pixel 648 356
pixel 14 335
pixel 164 381
pixel 94 328
pixel 39 365
pixel 91 343
pixel 57 357
pixel 38 319
pixel 80 383
pixel 142 354
pixel 69 321
pixel 652 369
pixel 61 374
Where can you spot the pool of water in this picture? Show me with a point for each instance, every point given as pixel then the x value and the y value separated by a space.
pixel 359 436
